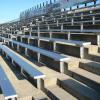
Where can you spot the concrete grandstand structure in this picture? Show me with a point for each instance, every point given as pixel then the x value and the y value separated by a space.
pixel 52 56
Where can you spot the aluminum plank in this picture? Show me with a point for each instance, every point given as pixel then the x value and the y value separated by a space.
pixel 6 86
pixel 50 54
pixel 62 41
pixel 23 64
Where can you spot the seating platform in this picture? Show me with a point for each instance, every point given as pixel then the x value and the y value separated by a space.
pixel 25 66
pixel 6 86
pixel 3 39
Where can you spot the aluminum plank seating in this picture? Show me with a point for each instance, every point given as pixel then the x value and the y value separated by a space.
pixel 4 39
pixel 6 86
pixel 79 16
pixel 25 66
pixel 69 22
pixel 69 42
pixel 55 56
pixel 69 30
pixel 72 43
pixel 50 54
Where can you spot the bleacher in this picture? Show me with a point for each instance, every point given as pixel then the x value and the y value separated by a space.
pixel 58 53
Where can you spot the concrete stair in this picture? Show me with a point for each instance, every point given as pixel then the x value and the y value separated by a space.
pixel 93 53
pixel 31 98
pixel 94 57
pixel 25 98
pixel 90 66
pixel 88 78
pixel 78 89
pixel 73 62
pixel 50 81
pixel 57 93
pixel 93 48
pixel 99 50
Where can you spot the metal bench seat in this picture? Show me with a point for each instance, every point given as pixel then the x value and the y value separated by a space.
pixel 6 86
pixel 53 55
pixel 23 64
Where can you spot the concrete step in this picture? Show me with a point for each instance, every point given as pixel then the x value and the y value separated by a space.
pixel 50 81
pixel 73 62
pixel 90 66
pixel 95 57
pixel 25 98
pixel 92 48
pixel 31 98
pixel 78 89
pixel 57 93
pixel 41 99
pixel 99 50
pixel 88 78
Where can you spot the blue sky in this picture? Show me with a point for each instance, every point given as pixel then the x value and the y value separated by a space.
pixel 10 9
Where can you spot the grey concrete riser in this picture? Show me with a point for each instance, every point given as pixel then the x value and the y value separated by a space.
pixel 89 38
pixel 88 82
pixel 69 50
pixel 25 40
pixel 51 95
pixel 35 42
pixel 74 93
pixel 33 34
pixel 94 58
pixel 77 91
pixel 99 49
pixel 61 36
pixel 87 55
pixel 44 35
pixel 55 65
pixel 46 45
pixel 90 68
pixel 41 99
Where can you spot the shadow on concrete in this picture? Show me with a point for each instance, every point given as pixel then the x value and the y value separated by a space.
pixel 93 67
pixel 79 90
